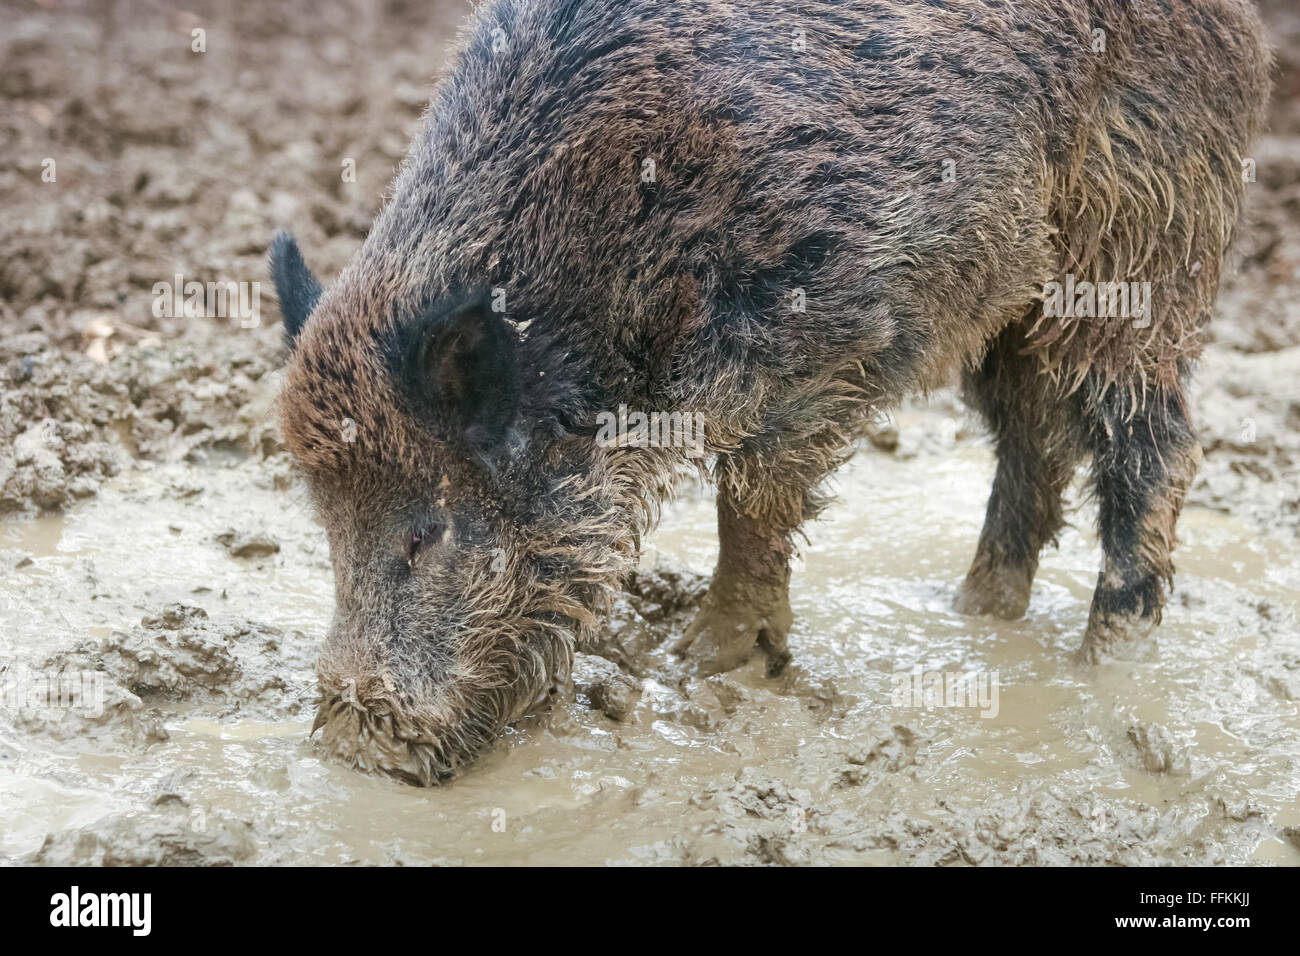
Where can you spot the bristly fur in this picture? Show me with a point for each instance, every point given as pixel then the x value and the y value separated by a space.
pixel 686 211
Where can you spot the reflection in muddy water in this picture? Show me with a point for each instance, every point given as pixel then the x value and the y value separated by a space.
pixel 202 753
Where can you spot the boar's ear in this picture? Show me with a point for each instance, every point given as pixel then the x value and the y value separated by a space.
pixel 294 284
pixel 466 366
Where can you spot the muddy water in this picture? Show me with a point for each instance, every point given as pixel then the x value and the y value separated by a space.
pixel 1195 758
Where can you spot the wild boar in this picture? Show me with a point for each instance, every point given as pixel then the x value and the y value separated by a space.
pixel 780 217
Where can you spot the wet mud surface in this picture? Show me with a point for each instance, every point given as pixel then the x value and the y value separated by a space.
pixel 163 587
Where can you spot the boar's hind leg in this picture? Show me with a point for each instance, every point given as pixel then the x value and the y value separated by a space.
pixel 1143 463
pixel 1038 446
pixel 748 601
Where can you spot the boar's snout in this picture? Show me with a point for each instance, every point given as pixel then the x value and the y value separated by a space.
pixel 370 733
pixel 372 721
pixel 421 720
pixel 368 726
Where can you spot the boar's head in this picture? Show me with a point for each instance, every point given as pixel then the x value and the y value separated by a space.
pixel 473 537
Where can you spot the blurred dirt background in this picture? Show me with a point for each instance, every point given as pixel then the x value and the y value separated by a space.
pixel 168 161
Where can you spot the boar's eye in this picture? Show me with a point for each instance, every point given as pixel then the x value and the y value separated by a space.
pixel 427 534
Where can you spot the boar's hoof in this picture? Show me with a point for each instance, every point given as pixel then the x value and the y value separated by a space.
pixel 724 633
pixel 1119 637
pixel 1001 592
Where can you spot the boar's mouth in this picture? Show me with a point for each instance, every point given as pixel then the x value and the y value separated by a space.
pixel 428 744
pixel 380 741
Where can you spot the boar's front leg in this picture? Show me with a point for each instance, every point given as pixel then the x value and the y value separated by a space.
pixel 748 601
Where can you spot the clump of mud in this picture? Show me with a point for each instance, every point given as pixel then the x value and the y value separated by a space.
pixel 180 654
pixel 67 422
pixel 115 714
pixel 174 833
pixel 657 602
pixel 120 688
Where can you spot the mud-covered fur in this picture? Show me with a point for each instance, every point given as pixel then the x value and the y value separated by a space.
pixel 741 210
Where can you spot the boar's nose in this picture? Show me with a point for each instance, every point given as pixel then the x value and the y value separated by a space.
pixel 362 723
